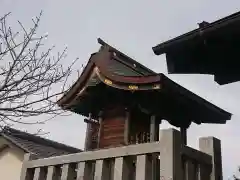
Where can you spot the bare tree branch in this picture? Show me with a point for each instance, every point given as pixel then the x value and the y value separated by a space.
pixel 236 177
pixel 28 75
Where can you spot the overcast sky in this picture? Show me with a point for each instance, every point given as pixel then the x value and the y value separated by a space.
pixel 134 27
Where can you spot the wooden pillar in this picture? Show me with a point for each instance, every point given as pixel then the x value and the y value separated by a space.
pixel 99 130
pixel 154 132
pixel 87 138
pixel 126 128
pixel 153 129
pixel 184 135
pixel 89 131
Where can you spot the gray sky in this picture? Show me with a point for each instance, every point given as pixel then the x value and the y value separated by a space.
pixel 134 27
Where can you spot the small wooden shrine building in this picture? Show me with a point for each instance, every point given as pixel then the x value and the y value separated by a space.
pixel 124 102
pixel 212 49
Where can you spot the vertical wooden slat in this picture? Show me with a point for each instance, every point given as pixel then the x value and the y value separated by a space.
pixel 111 165
pixel 67 172
pixel 101 170
pixel 203 173
pixel 121 170
pixel 51 173
pixel 81 171
pixel 126 128
pixel 190 171
pixel 39 174
pixel 84 171
pixel 142 168
pixel 99 131
pixel 154 165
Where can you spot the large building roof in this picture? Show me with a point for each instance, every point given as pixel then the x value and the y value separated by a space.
pixel 213 48
pixel 36 145
pixel 110 76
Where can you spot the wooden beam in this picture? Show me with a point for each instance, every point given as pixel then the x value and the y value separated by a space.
pixel 199 156
pixel 91 121
pixel 108 153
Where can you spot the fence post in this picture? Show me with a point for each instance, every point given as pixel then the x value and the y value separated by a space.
pixel 212 146
pixel 170 155
pixel 24 173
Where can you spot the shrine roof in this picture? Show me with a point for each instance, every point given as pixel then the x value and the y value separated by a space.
pixel 112 76
pixel 212 49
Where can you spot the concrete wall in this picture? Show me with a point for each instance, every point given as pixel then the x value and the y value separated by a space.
pixel 203 164
pixel 11 163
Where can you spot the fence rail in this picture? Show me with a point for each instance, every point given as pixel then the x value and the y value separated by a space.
pixel 140 162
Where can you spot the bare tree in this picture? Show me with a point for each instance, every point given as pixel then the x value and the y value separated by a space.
pixel 29 75
pixel 235 176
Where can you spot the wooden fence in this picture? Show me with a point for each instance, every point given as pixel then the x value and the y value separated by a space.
pixel 139 162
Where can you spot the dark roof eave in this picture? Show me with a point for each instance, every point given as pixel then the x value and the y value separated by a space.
pixel 14 142
pixel 37 139
pixel 210 28
pixel 220 115
pixel 223 115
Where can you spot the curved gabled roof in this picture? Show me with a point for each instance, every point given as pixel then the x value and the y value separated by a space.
pixel 114 69
pixel 130 73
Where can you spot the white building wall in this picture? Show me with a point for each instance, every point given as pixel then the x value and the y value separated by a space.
pixel 11 163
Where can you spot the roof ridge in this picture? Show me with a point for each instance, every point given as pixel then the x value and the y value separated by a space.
pixel 126 57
